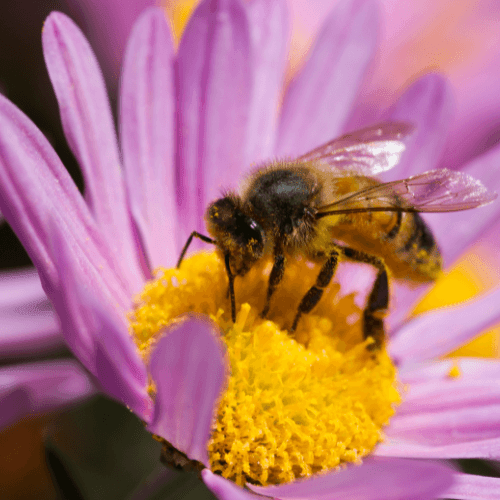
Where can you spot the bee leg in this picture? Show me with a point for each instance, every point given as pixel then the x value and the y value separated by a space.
pixel 378 300
pixel 202 237
pixel 275 277
pixel 230 277
pixel 311 298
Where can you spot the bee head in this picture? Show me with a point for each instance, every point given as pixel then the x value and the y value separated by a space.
pixel 235 232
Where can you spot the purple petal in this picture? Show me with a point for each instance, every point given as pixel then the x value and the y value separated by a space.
pixel 29 325
pixel 188 368
pixel 96 330
pixel 470 369
pixel 448 394
pixel 147 135
pixel 318 101
pixel 38 198
pixel 470 224
pixel 375 479
pixel 447 426
pixel 224 489
pixel 438 332
pixel 19 288
pixel 28 335
pixel 109 24
pixel 427 104
pixel 88 126
pixel 30 389
pixel 213 97
pixel 269 34
pixel 470 487
pixel 402 447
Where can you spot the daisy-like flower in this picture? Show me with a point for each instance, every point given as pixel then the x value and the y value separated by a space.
pixel 191 122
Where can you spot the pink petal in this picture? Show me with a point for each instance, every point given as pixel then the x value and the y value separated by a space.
pixel 28 323
pixel 269 34
pixel 427 104
pixel 29 335
pixel 213 97
pixel 438 332
pixel 88 126
pixel 318 101
pixel 19 288
pixel 147 135
pixel 438 370
pixel 224 489
pixel 96 330
pixel 375 479
pixel 108 24
pixel 470 487
pixel 188 368
pixel 401 447
pixel 435 396
pixel 30 389
pixel 448 426
pixel 38 198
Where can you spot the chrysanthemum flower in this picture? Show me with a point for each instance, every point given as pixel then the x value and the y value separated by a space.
pixel 190 123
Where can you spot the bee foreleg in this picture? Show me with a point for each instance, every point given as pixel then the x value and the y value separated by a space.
pixel 230 277
pixel 275 277
pixel 313 295
pixel 202 237
pixel 378 300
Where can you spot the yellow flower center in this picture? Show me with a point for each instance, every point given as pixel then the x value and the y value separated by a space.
pixel 294 405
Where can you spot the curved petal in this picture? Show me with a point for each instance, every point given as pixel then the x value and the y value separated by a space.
pixel 39 198
pixel 96 330
pixel 30 389
pixel 470 487
pixel 188 368
pixel 269 34
pixel 214 78
pixel 89 129
pixel 376 479
pixel 147 135
pixel 108 24
pixel 224 489
pixel 401 447
pixel 438 332
pixel 427 104
pixel 318 101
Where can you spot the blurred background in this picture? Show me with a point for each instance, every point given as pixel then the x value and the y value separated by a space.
pixel 458 37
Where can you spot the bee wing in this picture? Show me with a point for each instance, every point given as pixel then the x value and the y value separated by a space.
pixel 368 151
pixel 433 191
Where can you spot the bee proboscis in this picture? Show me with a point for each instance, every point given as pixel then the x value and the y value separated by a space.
pixel 327 205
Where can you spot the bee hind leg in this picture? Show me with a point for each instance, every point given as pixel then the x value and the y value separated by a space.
pixel 378 300
pixel 313 295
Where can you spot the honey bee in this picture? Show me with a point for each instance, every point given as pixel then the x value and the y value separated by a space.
pixel 326 205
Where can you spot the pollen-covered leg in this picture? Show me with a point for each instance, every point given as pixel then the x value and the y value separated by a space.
pixel 378 301
pixel 313 295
